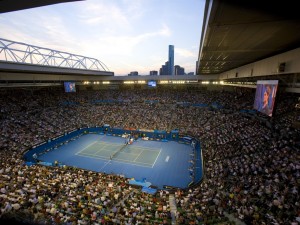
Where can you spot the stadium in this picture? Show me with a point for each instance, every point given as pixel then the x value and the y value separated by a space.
pixel 80 145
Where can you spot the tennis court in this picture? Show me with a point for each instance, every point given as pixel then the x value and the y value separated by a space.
pixel 136 155
pixel 161 163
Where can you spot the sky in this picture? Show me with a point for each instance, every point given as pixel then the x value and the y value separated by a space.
pixel 126 35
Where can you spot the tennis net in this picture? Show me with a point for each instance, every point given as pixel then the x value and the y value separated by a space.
pixel 114 155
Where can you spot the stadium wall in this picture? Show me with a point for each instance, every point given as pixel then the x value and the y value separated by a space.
pixel 285 63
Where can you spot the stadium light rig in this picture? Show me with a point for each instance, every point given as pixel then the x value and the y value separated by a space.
pixel 178 82
pixel 164 82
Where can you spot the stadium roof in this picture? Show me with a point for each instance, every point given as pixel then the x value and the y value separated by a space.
pixel 14 5
pixel 239 32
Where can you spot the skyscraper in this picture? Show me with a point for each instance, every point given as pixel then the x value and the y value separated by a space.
pixel 164 70
pixel 153 72
pixel 133 73
pixel 171 60
pixel 179 70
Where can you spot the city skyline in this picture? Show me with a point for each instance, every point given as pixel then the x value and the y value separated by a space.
pixel 125 35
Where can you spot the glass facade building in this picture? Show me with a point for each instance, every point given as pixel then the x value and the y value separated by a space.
pixel 171 60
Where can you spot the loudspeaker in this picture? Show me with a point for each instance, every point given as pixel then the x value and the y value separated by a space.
pixel 281 67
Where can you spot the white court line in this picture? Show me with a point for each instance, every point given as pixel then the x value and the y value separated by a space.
pixel 156 158
pixel 138 155
pixel 130 162
pixel 100 150
pixel 92 156
pixel 107 143
pixel 145 148
pixel 103 146
pixel 100 158
pixel 105 165
pixel 95 156
pixel 127 153
pixel 85 147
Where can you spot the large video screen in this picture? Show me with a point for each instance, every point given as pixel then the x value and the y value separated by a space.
pixel 151 83
pixel 69 86
pixel 265 96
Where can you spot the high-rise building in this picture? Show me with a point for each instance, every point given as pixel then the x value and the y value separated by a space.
pixel 161 71
pixel 171 60
pixel 133 73
pixel 179 70
pixel 164 70
pixel 153 72
pixel 168 68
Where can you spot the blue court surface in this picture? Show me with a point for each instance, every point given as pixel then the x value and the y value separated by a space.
pixel 160 163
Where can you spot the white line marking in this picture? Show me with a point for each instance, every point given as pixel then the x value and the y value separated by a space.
pixel 93 156
pixel 144 148
pixel 85 147
pixel 103 146
pixel 156 158
pixel 138 155
pixel 118 160
pixel 108 143
pixel 130 162
pixel 167 159
pixel 105 165
pixel 127 153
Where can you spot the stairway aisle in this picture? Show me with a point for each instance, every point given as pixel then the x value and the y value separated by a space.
pixel 173 207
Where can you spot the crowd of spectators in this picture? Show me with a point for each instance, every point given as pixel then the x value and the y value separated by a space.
pixel 251 171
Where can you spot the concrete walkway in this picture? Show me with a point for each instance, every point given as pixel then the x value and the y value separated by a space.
pixel 173 208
